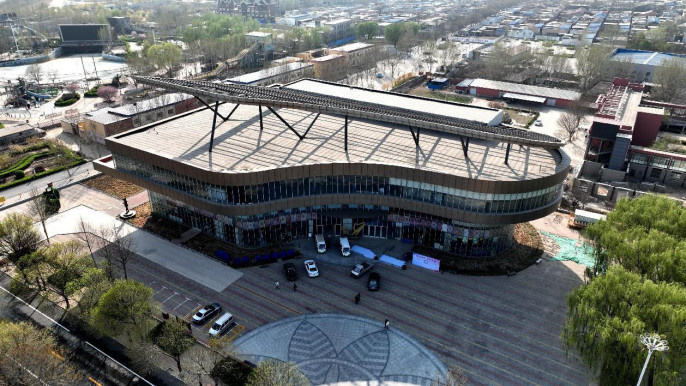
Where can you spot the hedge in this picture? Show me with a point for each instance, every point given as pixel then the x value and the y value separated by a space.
pixel 62 102
pixel 37 146
pixel 39 175
pixel 24 163
pixel 93 92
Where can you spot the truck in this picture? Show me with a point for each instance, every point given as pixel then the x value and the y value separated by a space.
pixel 583 218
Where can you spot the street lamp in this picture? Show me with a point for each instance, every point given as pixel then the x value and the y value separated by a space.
pixel 654 343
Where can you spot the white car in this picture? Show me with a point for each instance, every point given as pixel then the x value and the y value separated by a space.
pixel 538 123
pixel 311 268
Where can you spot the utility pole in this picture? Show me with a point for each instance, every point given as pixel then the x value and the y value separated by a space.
pixel 96 68
pixel 84 73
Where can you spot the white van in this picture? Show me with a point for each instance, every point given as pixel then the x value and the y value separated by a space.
pixel 224 322
pixel 321 244
pixel 345 246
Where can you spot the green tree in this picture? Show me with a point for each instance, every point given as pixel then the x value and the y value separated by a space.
pixel 592 63
pixel 66 268
pixel 18 236
pixel 126 307
pixel 28 353
pixel 646 235
pixel 671 77
pixel 174 339
pixel 606 318
pixel 165 56
pixel 276 373
pixel 394 32
pixel 367 30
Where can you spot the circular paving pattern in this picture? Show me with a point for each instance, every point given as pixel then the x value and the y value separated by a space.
pixel 331 348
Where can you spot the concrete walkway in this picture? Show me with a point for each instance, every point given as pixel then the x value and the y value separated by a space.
pixel 183 261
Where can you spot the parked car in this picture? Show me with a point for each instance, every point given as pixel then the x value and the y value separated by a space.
pixel 538 122
pixel 361 269
pixel 289 270
pixel 206 313
pixel 221 325
pixel 311 268
pixel 374 281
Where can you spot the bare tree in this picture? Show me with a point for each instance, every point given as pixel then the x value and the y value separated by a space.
pixel 621 68
pixel 87 235
pixel 53 75
pixel 569 123
pixel 37 208
pixel 117 248
pixel 34 72
pixel 591 64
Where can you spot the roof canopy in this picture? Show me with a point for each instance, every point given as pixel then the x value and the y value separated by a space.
pixel 324 104
pixel 522 97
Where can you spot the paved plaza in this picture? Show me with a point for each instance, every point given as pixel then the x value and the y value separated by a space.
pixel 181 260
pixel 332 348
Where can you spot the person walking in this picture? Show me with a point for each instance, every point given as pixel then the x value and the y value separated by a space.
pixel 386 323
pixel 295 287
pixel 277 285
pixel 357 298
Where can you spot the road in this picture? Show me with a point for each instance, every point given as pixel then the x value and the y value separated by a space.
pixel 59 180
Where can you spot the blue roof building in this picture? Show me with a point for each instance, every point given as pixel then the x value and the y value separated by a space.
pixel 644 62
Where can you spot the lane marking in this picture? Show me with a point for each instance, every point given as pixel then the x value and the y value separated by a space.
pixel 174 309
pixel 175 293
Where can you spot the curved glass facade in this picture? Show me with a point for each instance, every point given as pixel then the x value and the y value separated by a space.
pixel 346 184
pixel 336 220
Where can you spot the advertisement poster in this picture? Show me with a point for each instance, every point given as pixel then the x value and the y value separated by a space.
pixel 426 262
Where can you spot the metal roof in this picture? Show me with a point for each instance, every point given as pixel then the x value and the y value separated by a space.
pixel 290 98
pixel 650 58
pixel 546 92
pixel 268 73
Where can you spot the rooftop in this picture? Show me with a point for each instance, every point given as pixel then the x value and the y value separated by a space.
pixel 240 146
pixel 546 92
pixel 482 115
pixel 644 57
pixel 326 58
pixel 351 47
pixel 109 115
pixel 267 73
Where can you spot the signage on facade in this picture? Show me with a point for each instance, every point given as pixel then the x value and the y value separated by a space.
pixel 425 262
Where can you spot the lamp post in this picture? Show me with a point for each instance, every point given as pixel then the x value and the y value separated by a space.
pixel 654 343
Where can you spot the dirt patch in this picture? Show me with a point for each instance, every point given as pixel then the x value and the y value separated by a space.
pixel 527 249
pixel 113 186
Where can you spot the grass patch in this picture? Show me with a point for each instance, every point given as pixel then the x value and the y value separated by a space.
pixel 113 186
pixel 24 163
pixel 673 145
pixel 443 96
pixel 39 175
pixel 160 226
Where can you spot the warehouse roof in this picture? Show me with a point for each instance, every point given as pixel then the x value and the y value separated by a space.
pixel 546 92
pixel 268 73
pixel 651 58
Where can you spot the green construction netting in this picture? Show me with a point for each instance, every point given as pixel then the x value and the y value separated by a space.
pixel 572 249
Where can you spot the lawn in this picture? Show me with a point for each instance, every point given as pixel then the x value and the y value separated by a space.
pixel 520 117
pixel 113 186
pixel 23 163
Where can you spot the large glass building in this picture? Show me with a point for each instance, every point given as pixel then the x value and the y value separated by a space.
pixel 451 178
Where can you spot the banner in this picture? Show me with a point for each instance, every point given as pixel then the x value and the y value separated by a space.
pixel 425 262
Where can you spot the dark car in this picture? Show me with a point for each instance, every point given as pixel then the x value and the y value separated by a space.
pixel 206 313
pixel 289 270
pixel 374 281
pixel 361 269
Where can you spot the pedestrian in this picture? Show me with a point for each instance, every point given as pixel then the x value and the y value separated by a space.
pixel 357 298
pixel 277 285
pixel 295 287
pixel 386 323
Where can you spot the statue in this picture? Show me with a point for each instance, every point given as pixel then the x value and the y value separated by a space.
pixel 127 214
pixel 126 204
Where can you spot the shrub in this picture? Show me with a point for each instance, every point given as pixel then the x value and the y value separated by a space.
pixel 93 92
pixel 19 174
pixel 229 371
pixel 67 99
